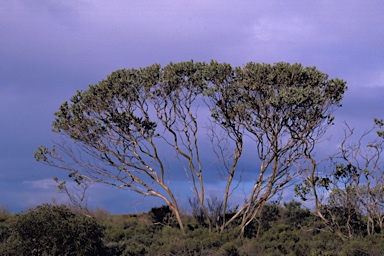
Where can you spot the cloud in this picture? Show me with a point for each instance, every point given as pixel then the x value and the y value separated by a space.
pixel 283 30
pixel 44 184
pixel 370 78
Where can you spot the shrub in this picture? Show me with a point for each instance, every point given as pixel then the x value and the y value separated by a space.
pixel 368 246
pixel 53 230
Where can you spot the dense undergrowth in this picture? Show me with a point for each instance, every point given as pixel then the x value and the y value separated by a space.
pixel 287 229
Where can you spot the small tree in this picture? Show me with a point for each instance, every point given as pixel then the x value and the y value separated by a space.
pixel 353 187
pixel 54 230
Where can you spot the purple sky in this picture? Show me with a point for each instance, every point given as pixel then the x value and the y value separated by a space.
pixel 50 49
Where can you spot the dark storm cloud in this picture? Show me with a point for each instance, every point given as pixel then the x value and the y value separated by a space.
pixel 49 49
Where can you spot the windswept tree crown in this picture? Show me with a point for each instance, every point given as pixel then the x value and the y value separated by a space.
pixel 124 120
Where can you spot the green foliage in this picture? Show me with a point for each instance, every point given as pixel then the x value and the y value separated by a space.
pixel 291 230
pixel 280 95
pixel 129 234
pixel 380 124
pixel 161 215
pixel 286 239
pixel 368 246
pixel 4 228
pixel 295 214
pixel 170 241
pixel 230 248
pixel 53 230
pixel 271 212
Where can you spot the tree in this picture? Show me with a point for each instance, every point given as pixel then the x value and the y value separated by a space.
pixel 284 109
pixel 353 186
pixel 123 121
pixel 54 230
pixel 124 129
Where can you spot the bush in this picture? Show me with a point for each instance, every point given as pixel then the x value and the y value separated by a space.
pixel 368 246
pixel 129 234
pixel 53 230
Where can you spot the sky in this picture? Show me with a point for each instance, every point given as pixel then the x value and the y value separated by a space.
pixel 50 49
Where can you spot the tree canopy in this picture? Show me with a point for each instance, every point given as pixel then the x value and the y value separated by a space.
pixel 121 131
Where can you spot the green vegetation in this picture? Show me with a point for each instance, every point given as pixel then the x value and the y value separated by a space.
pixel 51 230
pixel 287 229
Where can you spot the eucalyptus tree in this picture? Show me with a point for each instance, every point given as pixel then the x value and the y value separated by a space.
pixel 125 126
pixel 354 184
pixel 284 109
pixel 123 130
